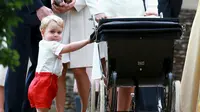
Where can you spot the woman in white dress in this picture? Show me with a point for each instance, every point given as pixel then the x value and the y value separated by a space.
pixel 128 8
pixel 79 27
pixel 190 82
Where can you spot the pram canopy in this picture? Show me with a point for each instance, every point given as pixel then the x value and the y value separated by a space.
pixel 138 27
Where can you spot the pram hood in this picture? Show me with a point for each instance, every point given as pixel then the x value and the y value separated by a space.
pixel 138 26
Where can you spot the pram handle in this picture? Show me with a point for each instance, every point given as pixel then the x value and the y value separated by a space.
pixel 127 27
pixel 139 19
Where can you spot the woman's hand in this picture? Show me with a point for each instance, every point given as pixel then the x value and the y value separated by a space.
pixel 148 13
pixel 100 16
pixel 63 7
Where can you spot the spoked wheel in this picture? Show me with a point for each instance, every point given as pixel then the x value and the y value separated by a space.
pixel 92 96
pixel 114 92
pixel 101 107
pixel 176 96
pixel 168 92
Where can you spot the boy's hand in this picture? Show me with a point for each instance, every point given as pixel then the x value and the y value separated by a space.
pixel 59 56
pixel 92 37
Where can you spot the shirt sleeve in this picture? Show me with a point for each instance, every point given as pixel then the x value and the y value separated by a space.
pixel 57 48
pixel 79 5
pixel 91 4
pixel 35 6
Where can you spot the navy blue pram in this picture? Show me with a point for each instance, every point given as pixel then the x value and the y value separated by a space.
pixel 140 52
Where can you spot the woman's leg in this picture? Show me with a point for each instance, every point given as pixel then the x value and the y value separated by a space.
pixel 60 97
pixel 83 85
pixel 42 110
pixel 124 98
pixel 1 99
pixel 103 62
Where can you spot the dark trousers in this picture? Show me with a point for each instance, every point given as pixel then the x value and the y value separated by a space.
pixel 169 8
pixel 25 42
pixel 150 97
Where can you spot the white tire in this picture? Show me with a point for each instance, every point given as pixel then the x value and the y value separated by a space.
pixel 176 96
pixel 92 101
pixel 102 96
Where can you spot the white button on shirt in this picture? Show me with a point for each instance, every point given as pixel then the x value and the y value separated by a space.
pixel 47 58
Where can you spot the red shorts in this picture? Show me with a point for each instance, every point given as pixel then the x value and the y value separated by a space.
pixel 42 90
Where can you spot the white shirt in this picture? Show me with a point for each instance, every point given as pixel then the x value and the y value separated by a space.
pixel 47 58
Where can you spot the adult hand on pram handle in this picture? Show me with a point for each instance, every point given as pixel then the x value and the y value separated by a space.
pixel 151 13
pixel 100 16
pixel 96 18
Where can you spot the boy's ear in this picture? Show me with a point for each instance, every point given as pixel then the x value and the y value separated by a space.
pixel 42 32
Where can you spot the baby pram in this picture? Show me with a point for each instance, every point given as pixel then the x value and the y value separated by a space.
pixel 140 52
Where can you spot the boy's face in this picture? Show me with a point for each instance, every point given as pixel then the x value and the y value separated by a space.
pixel 53 32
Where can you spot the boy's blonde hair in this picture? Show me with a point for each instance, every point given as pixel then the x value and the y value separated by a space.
pixel 46 20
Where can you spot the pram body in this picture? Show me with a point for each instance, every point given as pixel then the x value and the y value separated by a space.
pixel 140 52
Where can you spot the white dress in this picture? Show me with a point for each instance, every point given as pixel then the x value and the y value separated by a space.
pixel 79 27
pixel 190 82
pixel 127 8
pixel 3 71
pixel 122 8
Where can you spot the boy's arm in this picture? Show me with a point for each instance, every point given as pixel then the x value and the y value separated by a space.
pixel 74 46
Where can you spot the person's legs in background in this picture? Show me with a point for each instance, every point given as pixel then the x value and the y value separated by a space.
pixel 15 80
pixel 124 98
pixel 83 85
pixel 1 98
pixel 34 47
pixel 61 94
pixel 104 66
pixel 2 81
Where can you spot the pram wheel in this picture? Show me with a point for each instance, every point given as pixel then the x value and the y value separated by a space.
pixel 169 91
pixel 101 97
pixel 176 96
pixel 173 94
pixel 114 92
pixel 92 96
